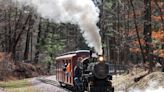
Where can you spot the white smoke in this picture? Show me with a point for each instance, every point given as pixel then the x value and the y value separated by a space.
pixel 81 12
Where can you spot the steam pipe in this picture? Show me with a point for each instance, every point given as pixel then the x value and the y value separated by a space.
pixel 90 53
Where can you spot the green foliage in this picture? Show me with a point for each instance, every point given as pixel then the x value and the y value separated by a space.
pixel 109 3
pixel 157 43
pixel 48 59
pixel 51 49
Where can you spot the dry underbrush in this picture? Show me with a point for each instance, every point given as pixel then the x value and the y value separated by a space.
pixel 127 81
pixel 10 69
pixel 155 77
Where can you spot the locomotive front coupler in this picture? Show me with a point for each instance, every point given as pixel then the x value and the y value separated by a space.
pixel 110 77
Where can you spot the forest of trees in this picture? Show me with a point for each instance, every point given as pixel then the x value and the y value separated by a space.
pixel 29 37
pixel 132 32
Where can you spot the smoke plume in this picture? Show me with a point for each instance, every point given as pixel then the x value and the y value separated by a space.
pixel 80 12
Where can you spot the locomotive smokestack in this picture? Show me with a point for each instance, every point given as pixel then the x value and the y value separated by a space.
pixel 101 57
pixel 103 52
pixel 90 53
pixel 83 13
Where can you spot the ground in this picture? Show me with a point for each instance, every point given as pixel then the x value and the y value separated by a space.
pixel 153 82
pixel 47 86
pixel 31 85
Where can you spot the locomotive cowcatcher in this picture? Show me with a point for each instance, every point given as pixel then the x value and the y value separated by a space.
pixel 83 71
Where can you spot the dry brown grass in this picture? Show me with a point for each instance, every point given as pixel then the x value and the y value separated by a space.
pixel 124 82
pixel 157 77
pixel 18 86
pixel 24 89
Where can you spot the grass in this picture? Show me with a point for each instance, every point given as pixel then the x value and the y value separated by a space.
pixel 18 86
pixel 14 84
pixel 24 89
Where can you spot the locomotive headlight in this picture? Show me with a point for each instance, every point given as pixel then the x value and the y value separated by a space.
pixel 101 58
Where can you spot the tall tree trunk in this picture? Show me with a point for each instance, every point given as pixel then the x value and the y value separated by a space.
pixel 100 24
pixel 137 31
pixel 147 33
pixel 46 31
pixel 14 33
pixel 20 16
pixel 38 42
pixel 31 35
pixel 10 29
pixel 128 27
pixel 118 37
pixel 15 43
pixel 160 12
pixel 6 34
pixel 26 52
pixel 27 46
pixel 28 19
pixel 125 35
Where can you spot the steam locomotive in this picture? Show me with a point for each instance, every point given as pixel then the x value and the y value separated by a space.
pixel 96 76
pixel 93 72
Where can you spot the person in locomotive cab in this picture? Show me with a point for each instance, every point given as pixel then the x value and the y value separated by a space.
pixel 77 77
pixel 68 69
pixel 64 66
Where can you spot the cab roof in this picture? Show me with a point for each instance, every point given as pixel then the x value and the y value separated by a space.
pixel 75 52
pixel 72 54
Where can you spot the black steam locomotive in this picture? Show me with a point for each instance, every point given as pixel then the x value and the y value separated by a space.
pixel 95 75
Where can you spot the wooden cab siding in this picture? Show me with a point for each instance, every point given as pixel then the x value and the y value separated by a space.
pixel 69 58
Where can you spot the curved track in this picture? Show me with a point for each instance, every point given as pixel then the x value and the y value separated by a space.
pixel 52 82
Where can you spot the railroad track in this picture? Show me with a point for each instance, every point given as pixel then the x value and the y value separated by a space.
pixel 53 83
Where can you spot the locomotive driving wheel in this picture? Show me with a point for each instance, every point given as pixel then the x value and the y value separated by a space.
pixel 89 86
pixel 77 88
pixel 61 84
